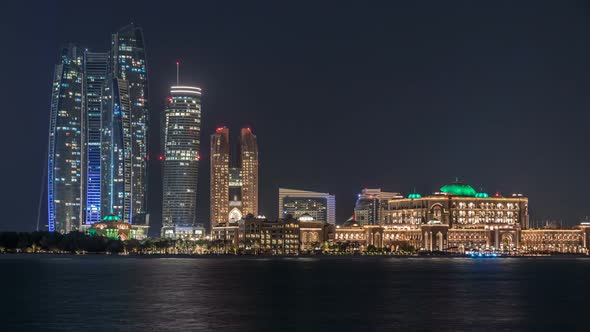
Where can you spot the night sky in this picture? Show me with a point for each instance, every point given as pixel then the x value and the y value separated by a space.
pixel 341 96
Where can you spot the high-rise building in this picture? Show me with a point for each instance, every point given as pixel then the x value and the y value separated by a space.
pixel 182 135
pixel 95 71
pixel 128 58
pixel 116 150
pixel 319 206
pixel 65 143
pixel 234 189
pixel 249 172
pixel 235 195
pixel 220 176
pixel 370 204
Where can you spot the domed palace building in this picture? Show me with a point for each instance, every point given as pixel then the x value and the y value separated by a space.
pixel 458 218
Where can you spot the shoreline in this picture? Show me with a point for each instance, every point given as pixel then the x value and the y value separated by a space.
pixel 230 256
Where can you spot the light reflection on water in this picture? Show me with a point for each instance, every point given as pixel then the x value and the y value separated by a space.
pixel 74 293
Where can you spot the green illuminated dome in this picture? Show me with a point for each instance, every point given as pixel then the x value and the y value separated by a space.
pixel 458 189
pixel 111 218
pixel 482 195
pixel 414 196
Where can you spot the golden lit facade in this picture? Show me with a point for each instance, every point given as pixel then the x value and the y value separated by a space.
pixel 233 190
pixel 249 171
pixel 219 187
pixel 457 219
pixel 272 237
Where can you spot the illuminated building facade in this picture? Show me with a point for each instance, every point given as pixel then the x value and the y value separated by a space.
pixel 182 134
pixel 65 143
pixel 320 206
pixel 249 172
pixel 370 204
pixel 95 72
pixel 287 236
pixel 459 219
pixel 113 227
pixel 116 150
pixel 234 190
pixel 98 135
pixel 220 177
pixel 128 59
pixel 456 218
pixel 235 194
pixel 279 237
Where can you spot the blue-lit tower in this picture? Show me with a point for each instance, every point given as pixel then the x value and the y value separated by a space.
pixel 65 143
pixel 128 63
pixel 96 66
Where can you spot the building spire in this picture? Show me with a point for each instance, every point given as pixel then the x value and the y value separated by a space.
pixel 177 72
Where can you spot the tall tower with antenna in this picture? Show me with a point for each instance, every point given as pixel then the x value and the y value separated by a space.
pixel 182 141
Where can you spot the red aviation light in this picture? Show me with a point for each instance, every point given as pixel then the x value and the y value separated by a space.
pixel 169 99
pixel 219 129
pixel 161 158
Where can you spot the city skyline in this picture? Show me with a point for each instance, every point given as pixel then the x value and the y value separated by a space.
pixel 496 105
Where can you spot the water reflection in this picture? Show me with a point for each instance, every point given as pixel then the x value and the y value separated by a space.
pixel 291 294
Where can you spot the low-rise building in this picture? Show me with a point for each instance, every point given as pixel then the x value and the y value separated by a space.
pixel 458 218
pixel 184 232
pixel 113 227
pixel 257 235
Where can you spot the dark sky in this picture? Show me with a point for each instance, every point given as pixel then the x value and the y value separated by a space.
pixel 342 96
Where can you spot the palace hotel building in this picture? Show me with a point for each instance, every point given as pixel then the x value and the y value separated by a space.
pixel 458 218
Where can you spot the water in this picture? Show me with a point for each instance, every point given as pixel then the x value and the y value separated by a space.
pixel 103 293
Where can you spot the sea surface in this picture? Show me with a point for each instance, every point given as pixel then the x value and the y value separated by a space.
pixel 108 293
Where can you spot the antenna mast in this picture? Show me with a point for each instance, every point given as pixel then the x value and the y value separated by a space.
pixel 177 73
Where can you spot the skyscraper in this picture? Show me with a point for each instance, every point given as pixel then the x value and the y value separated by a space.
pixel 116 150
pixel 65 144
pixel 370 204
pixel 95 71
pixel 234 189
pixel 129 63
pixel 320 206
pixel 249 171
pixel 220 177
pixel 182 134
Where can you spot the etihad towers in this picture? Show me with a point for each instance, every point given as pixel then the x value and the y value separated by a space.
pixel 96 68
pixel 117 150
pixel 234 189
pixel 98 135
pixel 128 63
pixel 65 143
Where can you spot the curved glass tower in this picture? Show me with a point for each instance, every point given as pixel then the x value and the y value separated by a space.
pixel 65 143
pixel 182 133
pixel 129 64
pixel 116 150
